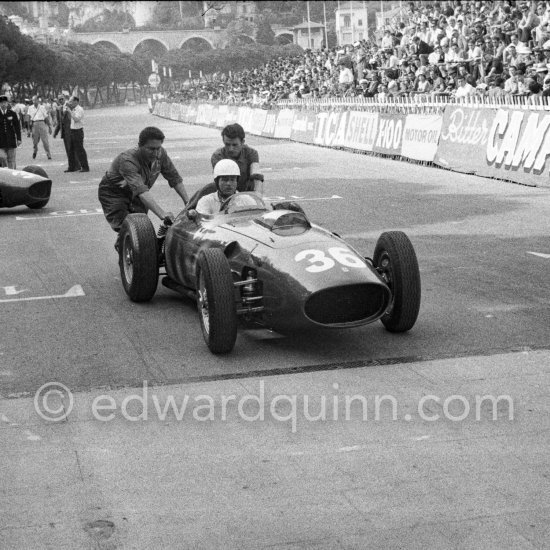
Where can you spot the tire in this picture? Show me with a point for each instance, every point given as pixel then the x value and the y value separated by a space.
pixel 216 301
pixel 396 261
pixel 138 258
pixel 39 171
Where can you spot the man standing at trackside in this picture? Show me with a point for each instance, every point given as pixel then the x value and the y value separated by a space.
pixel 64 126
pixel 76 150
pixel 235 149
pixel 39 120
pixel 10 132
pixel 125 187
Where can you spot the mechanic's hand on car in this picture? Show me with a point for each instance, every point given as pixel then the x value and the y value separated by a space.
pixel 192 214
pixel 168 219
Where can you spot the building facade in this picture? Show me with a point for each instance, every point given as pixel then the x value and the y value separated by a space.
pixel 351 22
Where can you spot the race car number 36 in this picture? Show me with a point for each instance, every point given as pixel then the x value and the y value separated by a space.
pixel 319 261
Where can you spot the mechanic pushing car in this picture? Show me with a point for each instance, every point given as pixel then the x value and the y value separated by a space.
pixel 125 187
pixel 247 159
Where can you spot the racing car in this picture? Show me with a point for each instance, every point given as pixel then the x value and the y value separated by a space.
pixel 271 268
pixel 30 186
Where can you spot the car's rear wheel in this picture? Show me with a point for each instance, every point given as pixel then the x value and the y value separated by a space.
pixel 39 171
pixel 216 301
pixel 138 257
pixel 396 261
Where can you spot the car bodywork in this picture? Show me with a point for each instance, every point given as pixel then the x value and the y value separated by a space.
pixel 30 187
pixel 306 276
pixel 283 272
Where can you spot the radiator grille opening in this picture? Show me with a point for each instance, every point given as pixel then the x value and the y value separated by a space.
pixel 346 304
pixel 40 190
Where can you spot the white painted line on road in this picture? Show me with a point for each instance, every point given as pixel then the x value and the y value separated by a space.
pixel 73 188
pixel 12 290
pixel 31 436
pixel 62 214
pixel 540 254
pixel 73 292
pixel 352 448
pixel 300 199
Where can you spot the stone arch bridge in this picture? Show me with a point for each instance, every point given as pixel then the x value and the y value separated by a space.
pixel 128 41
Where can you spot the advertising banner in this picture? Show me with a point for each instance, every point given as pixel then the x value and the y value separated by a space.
pixel 327 126
pixel 222 115
pixel 463 140
pixel 175 111
pixel 183 112
pixel 258 121
pixel 505 143
pixel 518 147
pixel 389 137
pixel 303 127
pixel 270 123
pixel 361 129
pixel 421 136
pixel 192 112
pixel 246 115
pixel 283 128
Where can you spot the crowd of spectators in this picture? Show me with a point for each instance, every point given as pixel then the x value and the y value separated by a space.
pixel 450 49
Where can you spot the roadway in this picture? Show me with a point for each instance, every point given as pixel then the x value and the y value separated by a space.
pixel 483 291
pixel 135 473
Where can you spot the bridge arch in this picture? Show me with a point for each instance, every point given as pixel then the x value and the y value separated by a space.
pixel 155 45
pixel 196 43
pixel 108 44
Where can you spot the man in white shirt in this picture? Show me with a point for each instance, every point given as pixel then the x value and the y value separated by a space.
pixel 464 88
pixel 39 120
pixel 77 150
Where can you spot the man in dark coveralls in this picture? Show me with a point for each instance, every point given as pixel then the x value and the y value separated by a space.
pixel 125 187
pixel 10 133
pixel 64 127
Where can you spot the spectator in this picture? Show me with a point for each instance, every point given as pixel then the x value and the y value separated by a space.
pixel 464 89
pixel 10 133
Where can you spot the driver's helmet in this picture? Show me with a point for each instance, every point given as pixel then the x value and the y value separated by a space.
pixel 226 167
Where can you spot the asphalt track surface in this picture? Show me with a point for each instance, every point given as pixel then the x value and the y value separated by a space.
pixel 482 246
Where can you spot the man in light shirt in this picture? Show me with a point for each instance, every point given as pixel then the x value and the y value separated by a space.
pixel 41 125
pixel 464 89
pixel 77 150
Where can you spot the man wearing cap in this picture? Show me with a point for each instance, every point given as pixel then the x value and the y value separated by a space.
pixel 63 126
pixel 10 132
pixel 41 126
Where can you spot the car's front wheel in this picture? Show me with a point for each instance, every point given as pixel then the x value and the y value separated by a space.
pixel 39 171
pixel 395 260
pixel 216 301
pixel 138 257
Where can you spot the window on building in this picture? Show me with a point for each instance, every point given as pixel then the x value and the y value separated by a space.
pixel 347 21
pixel 360 23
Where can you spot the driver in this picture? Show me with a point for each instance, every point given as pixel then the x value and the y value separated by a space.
pixel 226 177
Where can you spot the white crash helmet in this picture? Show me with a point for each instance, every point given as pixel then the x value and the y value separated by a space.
pixel 226 167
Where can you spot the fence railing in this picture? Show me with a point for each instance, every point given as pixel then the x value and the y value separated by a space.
pixel 418 103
